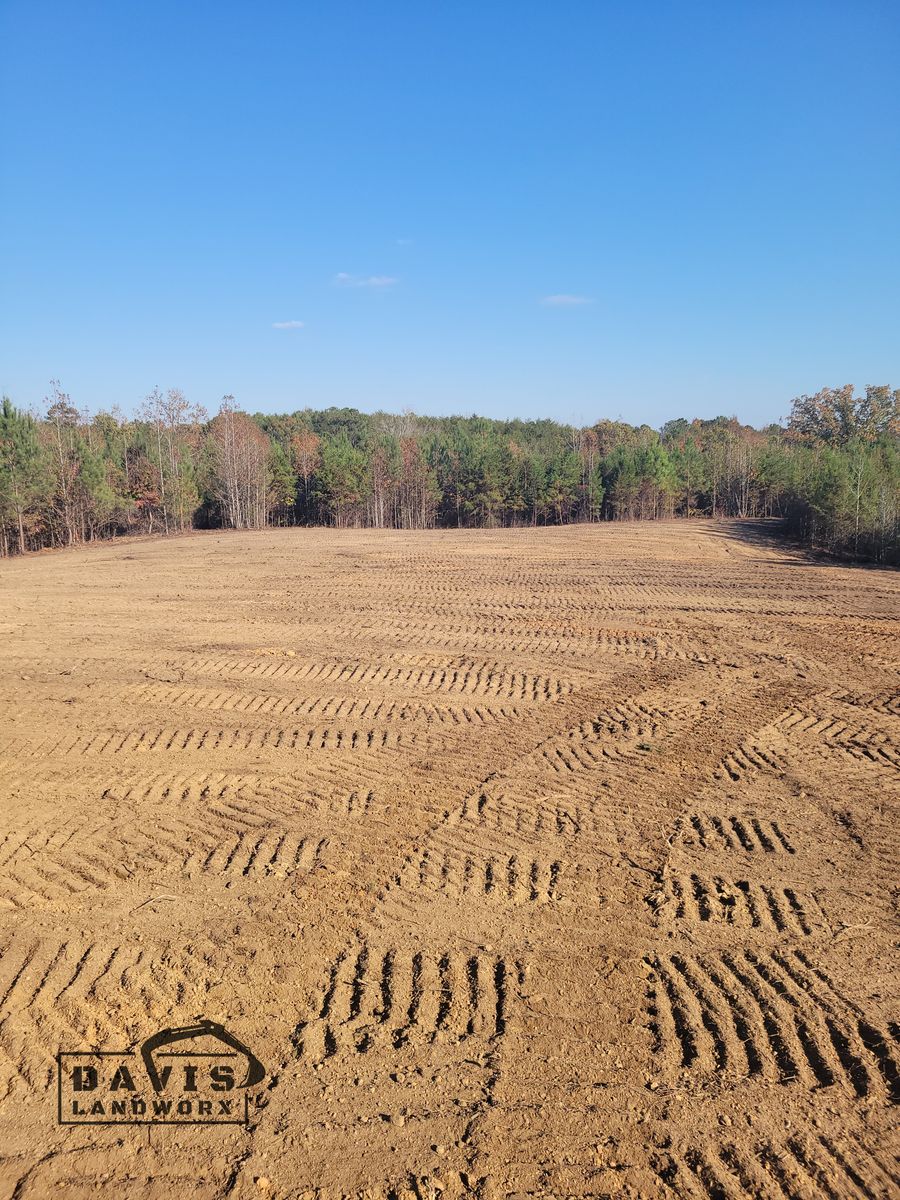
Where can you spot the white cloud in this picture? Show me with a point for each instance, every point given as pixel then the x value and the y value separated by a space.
pixel 288 324
pixel 566 301
pixel 342 279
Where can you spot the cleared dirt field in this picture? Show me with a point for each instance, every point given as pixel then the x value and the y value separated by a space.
pixel 553 863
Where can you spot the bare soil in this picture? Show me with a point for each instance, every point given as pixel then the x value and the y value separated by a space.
pixel 536 863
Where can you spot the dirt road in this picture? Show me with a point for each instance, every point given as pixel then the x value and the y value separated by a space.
pixel 536 863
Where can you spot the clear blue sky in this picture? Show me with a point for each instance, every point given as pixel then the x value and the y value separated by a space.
pixel 719 182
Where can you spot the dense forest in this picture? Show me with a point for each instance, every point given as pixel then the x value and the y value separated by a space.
pixel 67 477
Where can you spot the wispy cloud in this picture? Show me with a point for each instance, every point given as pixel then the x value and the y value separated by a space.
pixel 288 324
pixel 563 300
pixel 342 279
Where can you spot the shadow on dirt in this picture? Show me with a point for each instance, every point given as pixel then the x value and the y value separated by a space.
pixel 772 533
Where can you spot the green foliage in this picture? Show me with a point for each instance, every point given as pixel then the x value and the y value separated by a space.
pixel 846 497
pixel 833 473
pixel 22 477
pixel 341 480
pixel 282 484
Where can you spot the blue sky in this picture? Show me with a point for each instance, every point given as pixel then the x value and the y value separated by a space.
pixel 575 210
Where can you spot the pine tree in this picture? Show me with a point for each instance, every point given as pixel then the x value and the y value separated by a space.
pixel 21 470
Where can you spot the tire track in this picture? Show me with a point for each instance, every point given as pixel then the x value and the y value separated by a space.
pixel 749 1013
pixel 385 998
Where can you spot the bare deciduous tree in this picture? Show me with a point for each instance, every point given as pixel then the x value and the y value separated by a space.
pixel 242 471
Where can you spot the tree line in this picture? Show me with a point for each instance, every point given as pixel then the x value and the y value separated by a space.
pixel 67 476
